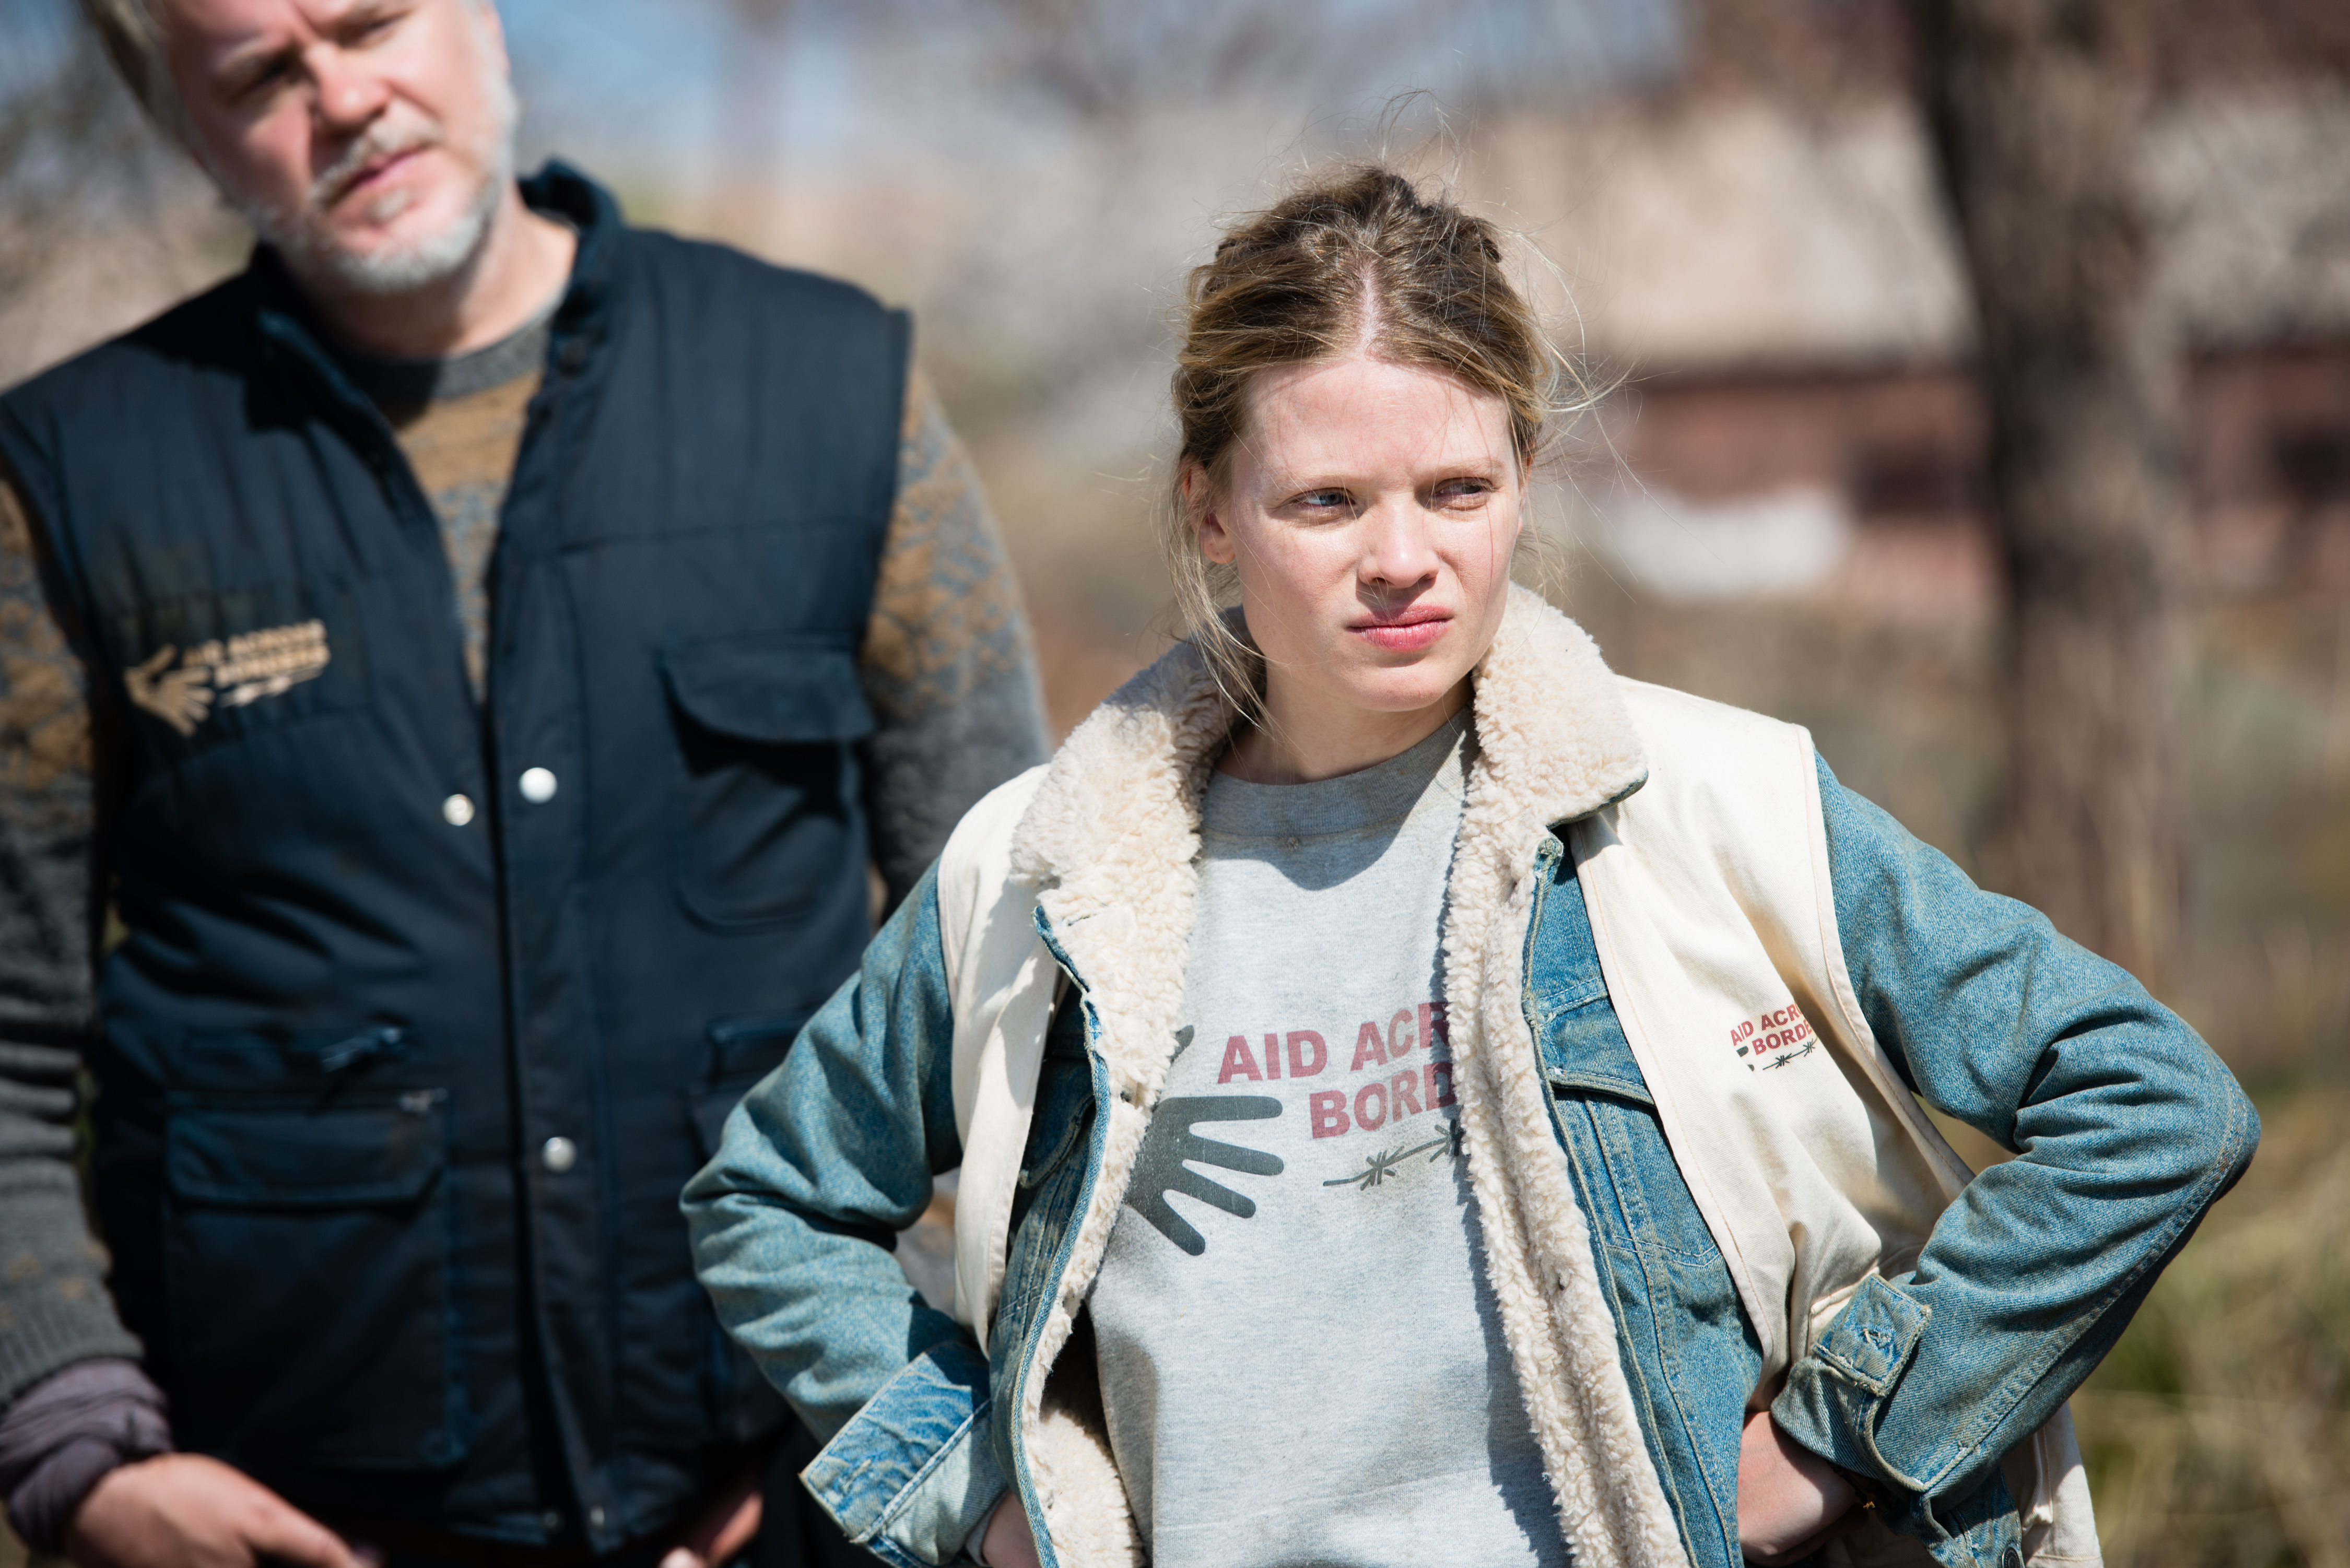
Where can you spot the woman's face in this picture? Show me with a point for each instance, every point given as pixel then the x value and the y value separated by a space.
pixel 1371 509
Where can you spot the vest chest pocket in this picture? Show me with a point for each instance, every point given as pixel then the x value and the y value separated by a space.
pixel 307 1282
pixel 768 827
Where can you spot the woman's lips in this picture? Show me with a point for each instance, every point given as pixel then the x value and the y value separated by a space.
pixel 1406 633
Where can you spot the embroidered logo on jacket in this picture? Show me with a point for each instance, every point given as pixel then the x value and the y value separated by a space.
pixel 1774 1039
pixel 243 669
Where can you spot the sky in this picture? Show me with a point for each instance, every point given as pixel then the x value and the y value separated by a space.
pixel 642 90
pixel 626 81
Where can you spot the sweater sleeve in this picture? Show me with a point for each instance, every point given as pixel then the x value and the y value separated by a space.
pixel 2126 1129
pixel 948 666
pixel 54 1309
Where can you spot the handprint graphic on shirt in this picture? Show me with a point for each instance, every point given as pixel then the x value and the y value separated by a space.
pixel 1159 1168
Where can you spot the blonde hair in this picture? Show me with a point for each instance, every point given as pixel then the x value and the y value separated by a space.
pixel 1360 262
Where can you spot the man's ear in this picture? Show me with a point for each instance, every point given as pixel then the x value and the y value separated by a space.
pixel 1204 511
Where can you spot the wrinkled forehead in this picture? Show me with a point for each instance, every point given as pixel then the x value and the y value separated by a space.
pixel 233 26
pixel 226 22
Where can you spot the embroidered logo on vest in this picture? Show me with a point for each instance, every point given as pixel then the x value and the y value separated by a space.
pixel 245 669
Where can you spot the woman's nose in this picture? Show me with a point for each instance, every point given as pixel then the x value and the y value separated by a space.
pixel 1397 547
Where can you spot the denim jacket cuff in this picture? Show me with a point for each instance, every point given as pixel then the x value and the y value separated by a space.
pixel 912 1474
pixel 1835 1396
pixel 1833 1403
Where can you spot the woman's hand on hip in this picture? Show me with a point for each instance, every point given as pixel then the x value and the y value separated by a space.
pixel 1790 1501
pixel 1007 1542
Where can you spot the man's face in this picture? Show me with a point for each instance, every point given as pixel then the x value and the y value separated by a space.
pixel 368 140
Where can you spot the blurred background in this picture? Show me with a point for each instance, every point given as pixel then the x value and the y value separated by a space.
pixel 1975 390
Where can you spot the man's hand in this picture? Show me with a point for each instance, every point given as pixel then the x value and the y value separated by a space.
pixel 183 1511
pixel 720 1533
pixel 1007 1542
pixel 1790 1501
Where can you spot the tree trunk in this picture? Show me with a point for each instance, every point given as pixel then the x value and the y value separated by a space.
pixel 2035 117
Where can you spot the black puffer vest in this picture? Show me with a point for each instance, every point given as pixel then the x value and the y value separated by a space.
pixel 426 1009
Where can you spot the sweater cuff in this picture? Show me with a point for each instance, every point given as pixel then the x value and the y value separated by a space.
pixel 67 1434
pixel 51 1329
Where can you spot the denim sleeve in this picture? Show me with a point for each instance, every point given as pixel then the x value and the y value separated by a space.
pixel 822 1163
pixel 2127 1128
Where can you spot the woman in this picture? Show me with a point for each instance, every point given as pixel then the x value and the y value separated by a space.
pixel 1561 1190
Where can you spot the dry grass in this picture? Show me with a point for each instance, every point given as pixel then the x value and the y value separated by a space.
pixel 2218 1433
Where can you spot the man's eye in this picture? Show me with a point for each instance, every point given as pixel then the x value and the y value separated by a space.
pixel 257 80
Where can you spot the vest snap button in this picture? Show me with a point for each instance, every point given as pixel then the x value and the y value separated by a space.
pixel 457 811
pixel 558 1155
pixel 537 785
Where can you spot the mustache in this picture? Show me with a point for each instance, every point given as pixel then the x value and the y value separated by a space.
pixel 380 140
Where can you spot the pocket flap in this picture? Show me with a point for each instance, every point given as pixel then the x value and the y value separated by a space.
pixel 774 690
pixel 344 1157
pixel 745 1048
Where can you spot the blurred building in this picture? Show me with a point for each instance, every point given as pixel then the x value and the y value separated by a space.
pixel 1759 241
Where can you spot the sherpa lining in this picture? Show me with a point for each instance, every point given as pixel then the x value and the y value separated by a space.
pixel 1110 841
pixel 1553 742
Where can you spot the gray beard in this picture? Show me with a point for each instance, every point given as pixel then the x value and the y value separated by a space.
pixel 314 258
pixel 300 235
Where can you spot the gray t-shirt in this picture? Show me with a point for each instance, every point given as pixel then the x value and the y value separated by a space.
pixel 1301 1361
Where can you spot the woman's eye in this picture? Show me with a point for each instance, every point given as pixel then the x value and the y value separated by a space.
pixel 1323 500
pixel 1462 492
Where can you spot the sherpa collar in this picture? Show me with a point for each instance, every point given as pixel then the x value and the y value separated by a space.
pixel 1113 834
pixel 1551 732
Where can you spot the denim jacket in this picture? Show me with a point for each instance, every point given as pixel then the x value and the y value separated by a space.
pixel 1924 1386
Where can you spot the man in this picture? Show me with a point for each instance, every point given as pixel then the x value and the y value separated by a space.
pixel 476 652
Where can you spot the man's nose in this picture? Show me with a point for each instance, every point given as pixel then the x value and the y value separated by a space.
pixel 346 95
